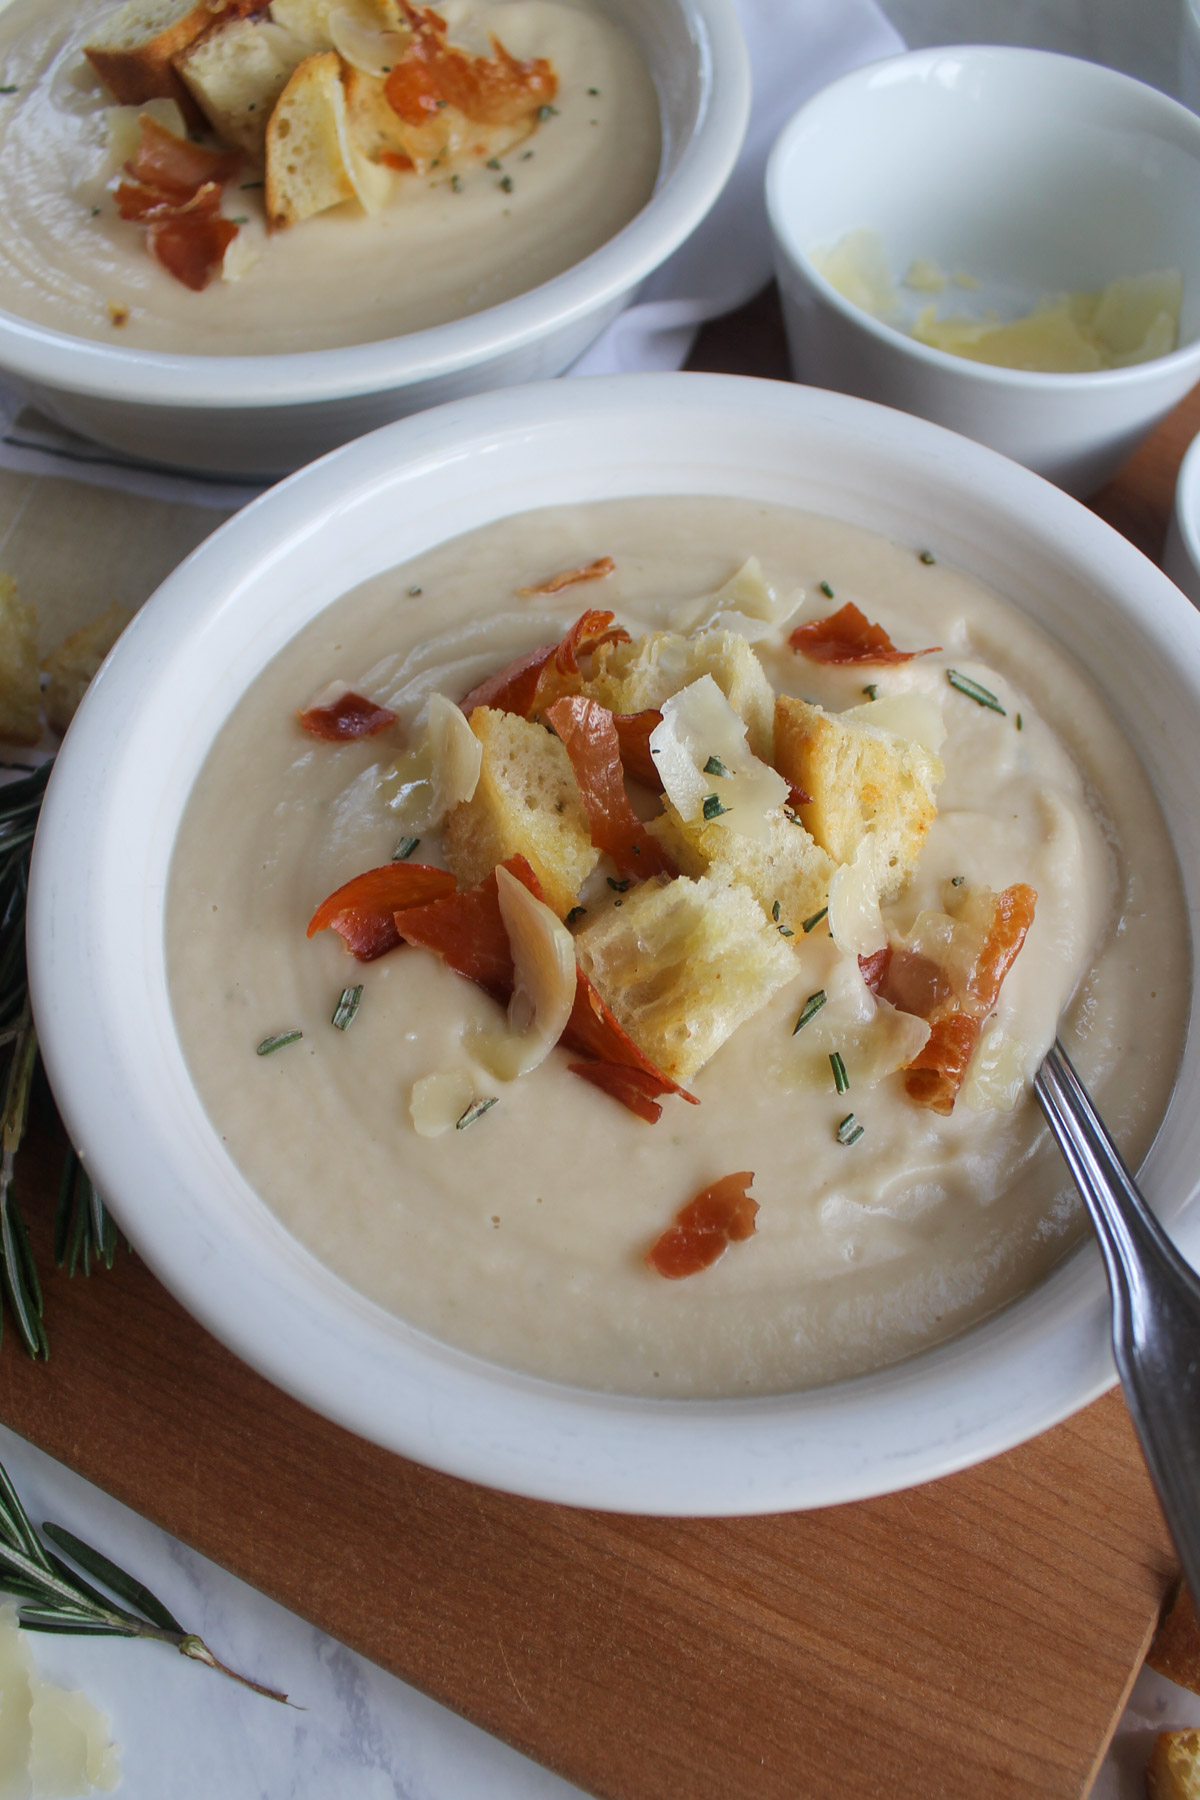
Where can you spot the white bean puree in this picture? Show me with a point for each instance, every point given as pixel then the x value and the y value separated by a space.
pixel 523 1237
pixel 448 243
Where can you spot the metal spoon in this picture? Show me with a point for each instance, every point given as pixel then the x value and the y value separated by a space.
pixel 1155 1302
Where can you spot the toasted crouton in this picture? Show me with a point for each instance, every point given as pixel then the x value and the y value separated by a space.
pixel 682 964
pixel 1173 1772
pixel 527 803
pixel 20 689
pixel 628 678
pixel 311 162
pixel 858 779
pixel 70 668
pixel 789 871
pixel 133 50
pixel 236 73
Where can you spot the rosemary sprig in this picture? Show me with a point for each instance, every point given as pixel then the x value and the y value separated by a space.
pixel 974 690
pixel 56 1598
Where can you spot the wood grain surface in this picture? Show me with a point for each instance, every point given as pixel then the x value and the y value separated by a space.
pixel 971 1639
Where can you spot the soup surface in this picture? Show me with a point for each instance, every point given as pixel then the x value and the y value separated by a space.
pixel 450 242
pixel 524 1237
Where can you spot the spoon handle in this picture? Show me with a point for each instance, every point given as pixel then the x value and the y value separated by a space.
pixel 1155 1302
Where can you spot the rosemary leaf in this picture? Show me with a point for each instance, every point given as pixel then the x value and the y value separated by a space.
pixel 280 1039
pixel 811 924
pixel 841 1080
pixel 475 1111
pixel 809 1010
pixel 347 1007
pixel 17 1531
pixel 975 690
pixel 406 846
pixel 849 1131
pixel 98 1565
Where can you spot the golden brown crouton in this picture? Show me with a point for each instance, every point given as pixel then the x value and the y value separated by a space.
pixel 307 157
pixel 133 51
pixel 236 74
pixel 20 690
pixel 858 779
pixel 790 870
pixel 526 803
pixel 682 964
pixel 71 667
pixel 1173 1772
pixel 628 678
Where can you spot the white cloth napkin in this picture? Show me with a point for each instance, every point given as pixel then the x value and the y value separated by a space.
pixel 796 47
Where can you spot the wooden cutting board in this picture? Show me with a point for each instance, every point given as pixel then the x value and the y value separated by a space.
pixel 971 1639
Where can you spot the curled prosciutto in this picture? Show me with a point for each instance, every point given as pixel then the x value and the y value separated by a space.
pixel 432 73
pixel 363 912
pixel 720 1215
pixel 349 716
pixel 554 584
pixel 532 681
pixel 588 734
pixel 848 636
pixel 174 189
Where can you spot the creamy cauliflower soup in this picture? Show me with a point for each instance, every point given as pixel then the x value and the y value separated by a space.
pixel 197 225
pixel 899 835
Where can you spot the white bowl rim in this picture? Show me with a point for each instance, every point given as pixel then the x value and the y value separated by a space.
pixel 851 85
pixel 1187 501
pixel 315 1337
pixel 162 378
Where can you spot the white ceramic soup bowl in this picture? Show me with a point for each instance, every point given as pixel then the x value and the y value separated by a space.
pixel 1181 558
pixel 262 415
pixel 1035 173
pixel 99 979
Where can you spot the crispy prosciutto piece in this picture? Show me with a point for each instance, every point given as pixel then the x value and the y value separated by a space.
pixel 495 90
pixel 554 584
pixel 467 931
pixel 848 636
pixel 588 734
pixel 797 797
pixel 633 735
pixel 364 911
pixel 541 675
pixel 720 1215
pixel 936 1073
pixel 349 716
pixel 874 968
pixel 174 189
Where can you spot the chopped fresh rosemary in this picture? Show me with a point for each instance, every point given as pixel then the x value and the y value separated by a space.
pixel 475 1111
pixel 346 1010
pixel 546 112
pixel 506 182
pixel 808 925
pixel 775 911
pixel 404 849
pixel 809 1010
pixel 957 880
pixel 493 162
pixel 247 185
pixel 841 1080
pixel 619 887
pixel 415 592
pixel 872 690
pixel 928 558
pixel 1020 726
pixel 456 183
pixel 849 1131
pixel 974 691
pixel 576 913
pixel 10 87
pixel 786 931
pixel 277 1042
pixel 713 807
pixel 826 590
pixel 53 1597
pixel 714 766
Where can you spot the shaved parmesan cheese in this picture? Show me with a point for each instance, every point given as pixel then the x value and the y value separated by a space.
pixel 438 1102
pixel 54 1744
pixel 854 916
pixel 708 770
pixel 747 605
pixel 911 715
pixel 544 984
pixel 872 1038
pixel 996 1076
pixel 442 770
pixel 373 51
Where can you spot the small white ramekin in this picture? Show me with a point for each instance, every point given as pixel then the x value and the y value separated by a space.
pixel 263 415
pixel 127 766
pixel 1036 173
pixel 1181 558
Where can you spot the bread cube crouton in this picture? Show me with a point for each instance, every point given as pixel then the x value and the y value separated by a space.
pixel 133 51
pixel 1173 1772
pixel 71 667
pixel 311 162
pixel 682 964
pixel 20 689
pixel 628 678
pixel 236 73
pixel 859 779
pixel 526 802
pixel 789 871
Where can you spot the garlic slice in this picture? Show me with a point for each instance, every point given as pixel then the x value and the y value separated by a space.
pixel 854 916
pixel 707 768
pixel 543 953
pixel 376 52
pixel 747 604
pixel 438 773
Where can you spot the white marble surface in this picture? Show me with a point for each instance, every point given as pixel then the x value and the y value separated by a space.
pixel 186 1733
